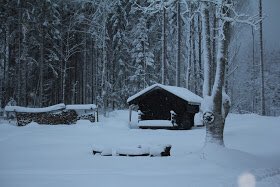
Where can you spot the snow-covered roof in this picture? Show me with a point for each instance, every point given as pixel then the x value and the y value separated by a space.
pixel 183 93
pixel 34 110
pixel 81 107
pixel 50 108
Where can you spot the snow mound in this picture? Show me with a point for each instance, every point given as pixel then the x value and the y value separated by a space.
pixel 231 158
pixel 81 107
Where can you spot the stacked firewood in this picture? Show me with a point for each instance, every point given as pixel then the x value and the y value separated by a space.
pixel 90 117
pixel 61 117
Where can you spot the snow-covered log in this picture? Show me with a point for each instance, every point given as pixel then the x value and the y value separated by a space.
pixel 102 151
pixel 131 151
pixel 153 151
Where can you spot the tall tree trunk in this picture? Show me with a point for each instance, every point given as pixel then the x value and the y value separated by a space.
pixel 189 53
pixel 6 64
pixel 199 75
pixel 42 58
pixel 113 84
pixel 221 105
pixel 215 130
pixel 64 69
pixel 104 70
pixel 92 71
pixel 206 48
pixel 214 50
pixel 194 82
pixel 41 74
pixel 164 47
pixel 24 67
pixel 85 70
pixel 263 112
pixel 179 33
pixel 18 88
pixel 253 70
pixel 62 59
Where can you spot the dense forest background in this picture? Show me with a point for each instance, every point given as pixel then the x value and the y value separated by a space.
pixel 103 51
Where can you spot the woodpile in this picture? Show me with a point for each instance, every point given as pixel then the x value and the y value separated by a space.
pixel 53 115
pixel 90 117
pixel 63 117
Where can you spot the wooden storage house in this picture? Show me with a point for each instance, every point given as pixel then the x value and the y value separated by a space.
pixel 168 107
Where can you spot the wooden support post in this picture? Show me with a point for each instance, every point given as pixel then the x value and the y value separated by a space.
pixel 173 117
pixel 130 114
pixel 140 113
pixel 96 113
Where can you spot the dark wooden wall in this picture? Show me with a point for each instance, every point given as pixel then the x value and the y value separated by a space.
pixel 157 104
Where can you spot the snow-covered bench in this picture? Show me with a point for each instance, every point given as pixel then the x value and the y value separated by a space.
pixel 53 115
pixel 157 124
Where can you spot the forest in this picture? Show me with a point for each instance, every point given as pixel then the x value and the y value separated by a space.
pixel 103 51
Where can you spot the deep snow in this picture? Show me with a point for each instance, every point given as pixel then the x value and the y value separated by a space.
pixel 43 155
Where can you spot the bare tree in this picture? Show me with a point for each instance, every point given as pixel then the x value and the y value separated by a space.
pixel 216 104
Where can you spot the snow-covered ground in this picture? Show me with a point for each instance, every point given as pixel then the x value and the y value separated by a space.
pixel 42 155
